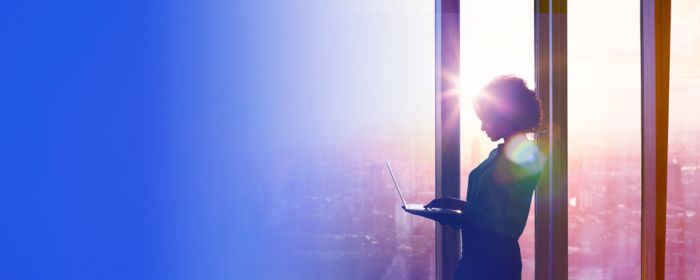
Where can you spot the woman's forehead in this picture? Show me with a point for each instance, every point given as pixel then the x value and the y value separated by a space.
pixel 488 109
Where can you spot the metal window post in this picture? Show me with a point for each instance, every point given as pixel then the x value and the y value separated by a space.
pixel 551 197
pixel 656 40
pixel 447 150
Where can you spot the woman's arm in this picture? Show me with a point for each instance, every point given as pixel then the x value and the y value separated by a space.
pixel 447 202
pixel 452 219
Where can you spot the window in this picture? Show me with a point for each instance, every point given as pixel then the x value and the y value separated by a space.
pixel 604 219
pixel 336 212
pixel 683 197
pixel 496 39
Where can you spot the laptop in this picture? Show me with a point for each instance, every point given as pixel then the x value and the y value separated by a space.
pixel 414 207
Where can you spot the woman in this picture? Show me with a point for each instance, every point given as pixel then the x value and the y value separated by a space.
pixel 500 188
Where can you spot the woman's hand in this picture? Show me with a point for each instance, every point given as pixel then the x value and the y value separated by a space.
pixel 447 202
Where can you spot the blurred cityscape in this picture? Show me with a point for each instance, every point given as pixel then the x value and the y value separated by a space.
pixel 360 232
pixel 682 221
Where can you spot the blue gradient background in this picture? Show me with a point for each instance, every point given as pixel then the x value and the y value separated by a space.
pixel 136 134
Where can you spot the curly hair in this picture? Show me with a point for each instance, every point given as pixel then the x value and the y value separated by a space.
pixel 507 99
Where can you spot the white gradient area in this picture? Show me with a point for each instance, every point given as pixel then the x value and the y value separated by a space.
pixel 356 72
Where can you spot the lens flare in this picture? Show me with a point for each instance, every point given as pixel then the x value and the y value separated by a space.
pixel 523 152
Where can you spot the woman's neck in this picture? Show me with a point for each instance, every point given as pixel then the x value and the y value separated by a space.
pixel 509 138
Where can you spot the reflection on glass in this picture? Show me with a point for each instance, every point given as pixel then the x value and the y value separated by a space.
pixel 683 204
pixel 604 140
pixel 497 38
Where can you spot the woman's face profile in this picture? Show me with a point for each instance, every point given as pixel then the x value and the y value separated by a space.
pixel 493 129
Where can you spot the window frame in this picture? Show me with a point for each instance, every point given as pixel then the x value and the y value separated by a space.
pixel 551 194
pixel 447 129
pixel 655 56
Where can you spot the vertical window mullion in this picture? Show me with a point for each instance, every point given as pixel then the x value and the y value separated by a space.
pixel 551 235
pixel 447 129
pixel 655 37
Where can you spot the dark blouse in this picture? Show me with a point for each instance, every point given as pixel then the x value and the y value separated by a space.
pixel 498 202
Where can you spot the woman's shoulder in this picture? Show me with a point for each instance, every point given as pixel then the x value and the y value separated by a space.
pixel 517 163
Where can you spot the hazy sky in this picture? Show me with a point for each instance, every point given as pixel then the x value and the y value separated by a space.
pixel 685 65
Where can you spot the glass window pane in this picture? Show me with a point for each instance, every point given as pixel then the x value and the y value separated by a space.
pixel 497 38
pixel 361 93
pixel 604 139
pixel 683 204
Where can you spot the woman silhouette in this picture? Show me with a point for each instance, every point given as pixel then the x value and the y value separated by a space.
pixel 500 188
